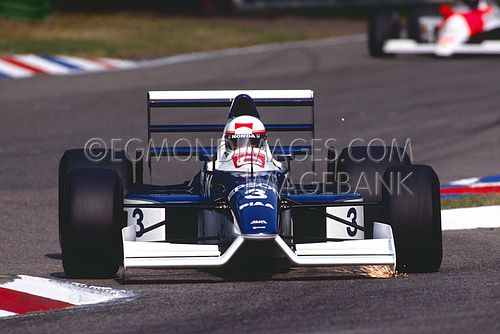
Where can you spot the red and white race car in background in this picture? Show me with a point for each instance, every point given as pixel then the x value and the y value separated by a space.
pixel 469 27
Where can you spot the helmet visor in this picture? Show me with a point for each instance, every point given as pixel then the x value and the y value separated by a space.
pixel 236 142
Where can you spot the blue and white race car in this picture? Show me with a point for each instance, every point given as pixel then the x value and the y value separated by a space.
pixel 242 207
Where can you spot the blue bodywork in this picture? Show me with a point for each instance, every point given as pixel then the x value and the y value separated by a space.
pixel 255 201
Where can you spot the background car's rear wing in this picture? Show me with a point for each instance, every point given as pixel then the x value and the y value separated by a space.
pixel 224 98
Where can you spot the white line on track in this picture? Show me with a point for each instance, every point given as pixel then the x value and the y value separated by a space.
pixel 118 63
pixel 182 58
pixel 470 218
pixel 464 182
pixel 24 294
pixel 73 293
pixel 6 313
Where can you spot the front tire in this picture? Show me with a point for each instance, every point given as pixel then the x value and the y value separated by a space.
pixel 415 217
pixel 92 222
pixel 76 158
pixel 383 25
pixel 416 12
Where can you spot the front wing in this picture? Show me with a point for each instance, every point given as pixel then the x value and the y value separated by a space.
pixel 377 251
pixel 409 46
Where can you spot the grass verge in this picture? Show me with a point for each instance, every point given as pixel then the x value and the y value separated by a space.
pixel 137 35
pixel 470 201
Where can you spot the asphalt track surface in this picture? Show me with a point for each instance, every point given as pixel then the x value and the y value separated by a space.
pixel 448 108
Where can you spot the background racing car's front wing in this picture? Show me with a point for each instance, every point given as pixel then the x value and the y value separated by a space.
pixel 409 46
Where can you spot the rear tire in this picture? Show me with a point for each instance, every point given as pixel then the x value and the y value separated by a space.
pixel 383 25
pixel 415 218
pixel 92 222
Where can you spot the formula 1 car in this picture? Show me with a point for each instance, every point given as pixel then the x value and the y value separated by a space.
pixel 242 207
pixel 469 27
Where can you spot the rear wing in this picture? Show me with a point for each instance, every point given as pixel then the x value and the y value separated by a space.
pixel 224 98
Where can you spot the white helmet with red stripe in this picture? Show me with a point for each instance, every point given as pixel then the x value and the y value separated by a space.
pixel 245 131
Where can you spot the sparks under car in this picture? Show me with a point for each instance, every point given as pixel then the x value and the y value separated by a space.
pixel 468 27
pixel 242 205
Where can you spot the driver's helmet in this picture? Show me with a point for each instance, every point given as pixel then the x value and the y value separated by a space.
pixel 245 132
